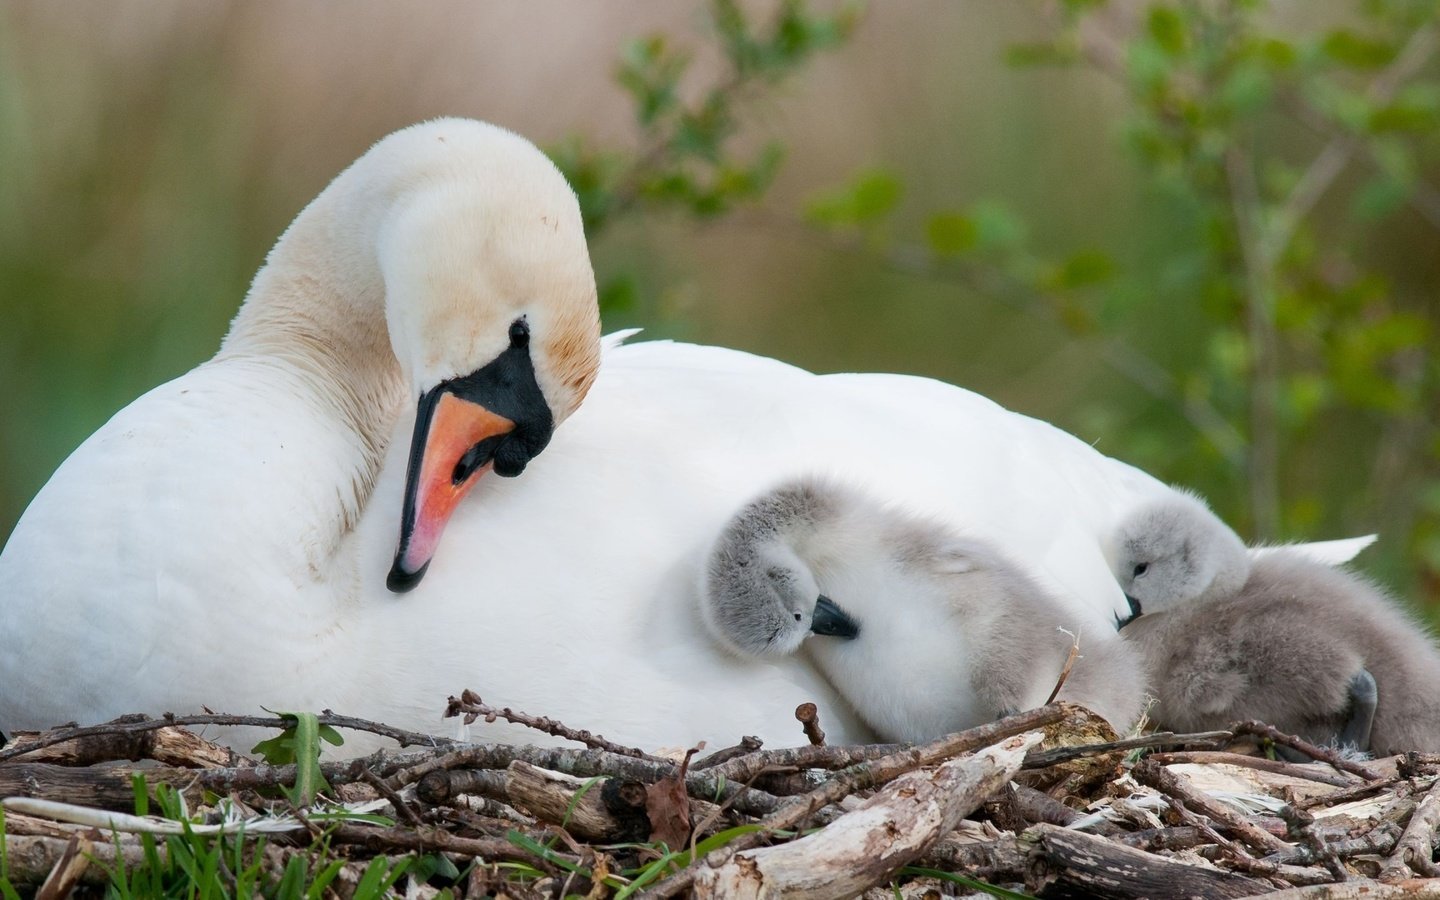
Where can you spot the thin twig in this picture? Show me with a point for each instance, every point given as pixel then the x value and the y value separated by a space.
pixel 871 774
pixel 472 707
pixel 808 715
pixel 1258 263
pixel 1301 828
pixel 1236 854
pixel 1065 669
pixel 130 726
pixel 1336 155
pixel 1294 742
pixel 402 809
pixel 748 744
pixel 1416 847
pixel 1149 772
pixel 1040 759
pixel 1357 792
pixel 1261 764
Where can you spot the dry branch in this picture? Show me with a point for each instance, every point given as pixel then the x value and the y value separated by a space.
pixel 1324 754
pixel 808 715
pixel 31 859
pixel 1061 863
pixel 462 800
pixel 1416 848
pixel 132 725
pixel 1273 766
pixel 472 707
pixel 865 847
pixel 573 803
pixel 170 745
pixel 1167 782
pixel 1041 759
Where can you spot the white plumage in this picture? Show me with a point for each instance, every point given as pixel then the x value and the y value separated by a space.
pixel 224 540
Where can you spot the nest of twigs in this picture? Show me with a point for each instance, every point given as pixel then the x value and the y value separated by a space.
pixel 1047 802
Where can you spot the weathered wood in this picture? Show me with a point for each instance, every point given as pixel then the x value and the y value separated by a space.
pixel 444 785
pixel 1064 863
pixel 865 847
pixel 1364 889
pixel 31 859
pixel 67 871
pixel 1310 772
pixel 999 860
pixel 1416 848
pixel 170 745
pixel 103 788
pixel 573 803
pixel 1165 781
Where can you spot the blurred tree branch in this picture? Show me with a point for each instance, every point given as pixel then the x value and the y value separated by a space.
pixel 1299 330
pixel 685 158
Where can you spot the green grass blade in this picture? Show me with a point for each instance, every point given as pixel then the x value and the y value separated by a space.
pixel 973 884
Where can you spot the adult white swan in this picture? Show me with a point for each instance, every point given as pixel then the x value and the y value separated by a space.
pixel 226 540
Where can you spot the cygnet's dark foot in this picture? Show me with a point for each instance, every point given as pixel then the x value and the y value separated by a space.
pixel 1354 736
pixel 1007 712
pixel 1363 697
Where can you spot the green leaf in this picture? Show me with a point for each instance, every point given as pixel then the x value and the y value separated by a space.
pixel 1353 49
pixel 1041 53
pixel 299 744
pixel 1167 29
pixel 996 226
pixel 1086 268
pixel 876 194
pixel 1276 53
pixel 973 884
pixel 1247 88
pixel 1380 196
pixel 951 234
pixel 869 197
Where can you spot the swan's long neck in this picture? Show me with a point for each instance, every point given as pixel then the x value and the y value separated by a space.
pixel 315 317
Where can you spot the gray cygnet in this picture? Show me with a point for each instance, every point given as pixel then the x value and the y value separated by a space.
pixel 923 630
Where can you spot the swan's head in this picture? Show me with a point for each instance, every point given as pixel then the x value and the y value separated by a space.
pixel 759 597
pixel 491 307
pixel 1175 550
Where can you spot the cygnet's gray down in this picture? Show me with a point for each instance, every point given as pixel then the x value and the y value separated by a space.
pixel 923 630
pixel 1310 648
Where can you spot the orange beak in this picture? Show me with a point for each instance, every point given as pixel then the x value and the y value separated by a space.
pixel 451 449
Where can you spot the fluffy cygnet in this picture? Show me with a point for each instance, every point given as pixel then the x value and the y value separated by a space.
pixel 1294 642
pixel 923 630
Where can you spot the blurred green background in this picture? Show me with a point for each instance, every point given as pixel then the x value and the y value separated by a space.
pixel 1080 209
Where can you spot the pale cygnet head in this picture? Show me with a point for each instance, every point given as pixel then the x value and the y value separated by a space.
pixel 758 597
pixel 473 242
pixel 1175 550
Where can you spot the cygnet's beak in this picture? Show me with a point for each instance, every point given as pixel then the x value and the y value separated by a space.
pixel 1134 613
pixel 495 418
pixel 830 619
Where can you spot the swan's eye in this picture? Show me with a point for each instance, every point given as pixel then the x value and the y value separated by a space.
pixel 473 459
pixel 1140 569
pixel 797 617
pixel 519 332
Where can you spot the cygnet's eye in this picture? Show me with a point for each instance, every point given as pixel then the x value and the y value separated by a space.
pixel 1140 569
pixel 798 617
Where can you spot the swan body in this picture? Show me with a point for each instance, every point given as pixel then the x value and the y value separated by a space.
pixel 235 538
pixel 1284 637
pixel 924 630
